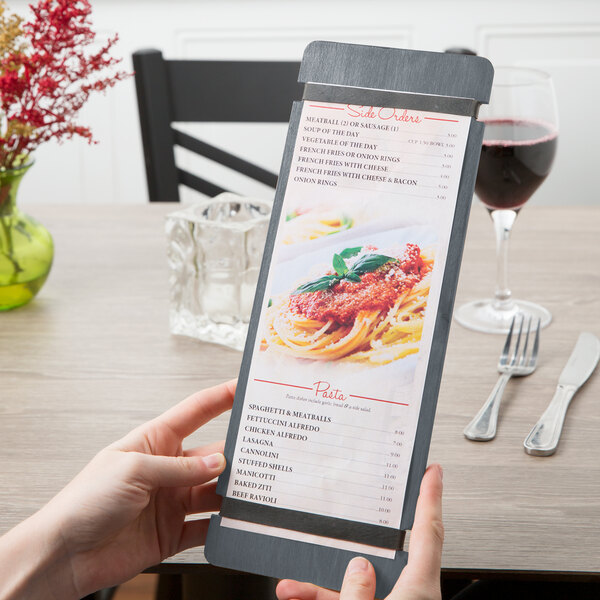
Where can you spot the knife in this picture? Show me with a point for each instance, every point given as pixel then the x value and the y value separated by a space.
pixel 543 438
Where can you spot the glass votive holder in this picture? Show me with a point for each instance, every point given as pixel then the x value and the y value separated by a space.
pixel 215 248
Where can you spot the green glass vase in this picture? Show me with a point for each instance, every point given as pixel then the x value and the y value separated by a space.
pixel 26 247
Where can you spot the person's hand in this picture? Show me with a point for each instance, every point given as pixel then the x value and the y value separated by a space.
pixel 125 511
pixel 420 579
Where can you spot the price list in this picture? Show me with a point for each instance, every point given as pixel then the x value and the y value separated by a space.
pixel 301 459
pixel 408 154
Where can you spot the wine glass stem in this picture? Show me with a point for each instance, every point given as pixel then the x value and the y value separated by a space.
pixel 503 222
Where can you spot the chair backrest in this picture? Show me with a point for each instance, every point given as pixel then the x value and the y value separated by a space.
pixel 171 91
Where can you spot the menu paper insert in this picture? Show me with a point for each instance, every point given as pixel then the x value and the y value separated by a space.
pixel 340 357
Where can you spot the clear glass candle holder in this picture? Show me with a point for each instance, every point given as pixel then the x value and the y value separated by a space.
pixel 214 252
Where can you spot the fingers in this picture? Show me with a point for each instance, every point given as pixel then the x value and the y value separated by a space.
pixel 193 534
pixel 193 412
pixel 426 539
pixel 206 450
pixel 202 498
pixel 358 584
pixel 288 589
pixel 427 535
pixel 359 580
pixel 176 471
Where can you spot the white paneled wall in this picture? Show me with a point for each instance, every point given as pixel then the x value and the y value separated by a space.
pixel 558 36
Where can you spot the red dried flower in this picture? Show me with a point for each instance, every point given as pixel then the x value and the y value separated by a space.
pixel 47 73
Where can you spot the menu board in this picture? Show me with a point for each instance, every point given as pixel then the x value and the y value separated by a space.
pixel 332 419
pixel 340 358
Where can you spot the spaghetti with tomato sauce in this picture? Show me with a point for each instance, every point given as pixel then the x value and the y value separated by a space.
pixel 374 318
pixel 375 291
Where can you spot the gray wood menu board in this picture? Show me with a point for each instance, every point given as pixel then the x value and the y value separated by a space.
pixel 332 419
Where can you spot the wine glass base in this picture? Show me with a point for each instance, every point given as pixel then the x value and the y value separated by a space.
pixel 481 315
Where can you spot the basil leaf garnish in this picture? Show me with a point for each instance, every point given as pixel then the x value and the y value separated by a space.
pixel 369 262
pixel 365 264
pixel 323 283
pixel 350 252
pixel 339 265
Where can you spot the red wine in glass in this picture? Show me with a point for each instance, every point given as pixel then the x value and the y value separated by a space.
pixel 516 157
pixel 520 139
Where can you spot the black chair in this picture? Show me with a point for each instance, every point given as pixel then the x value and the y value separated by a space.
pixel 171 91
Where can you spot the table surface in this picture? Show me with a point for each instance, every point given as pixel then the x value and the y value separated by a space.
pixel 92 357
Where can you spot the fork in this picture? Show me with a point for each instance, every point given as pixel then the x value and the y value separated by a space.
pixel 483 427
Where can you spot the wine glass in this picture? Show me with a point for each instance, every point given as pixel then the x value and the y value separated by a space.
pixel 521 132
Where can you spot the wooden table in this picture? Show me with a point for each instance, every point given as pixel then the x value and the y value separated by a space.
pixel 92 357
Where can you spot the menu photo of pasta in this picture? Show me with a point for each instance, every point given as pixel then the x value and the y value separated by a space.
pixel 363 303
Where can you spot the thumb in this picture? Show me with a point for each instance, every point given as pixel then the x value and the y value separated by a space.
pixel 180 471
pixel 359 580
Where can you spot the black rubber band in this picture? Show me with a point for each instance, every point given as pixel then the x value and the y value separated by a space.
pixel 341 529
pixel 316 92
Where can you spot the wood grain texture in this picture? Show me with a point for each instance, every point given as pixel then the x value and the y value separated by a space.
pixel 431 73
pixel 92 357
